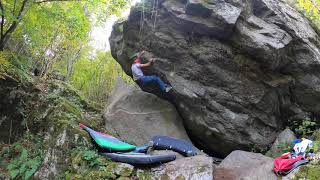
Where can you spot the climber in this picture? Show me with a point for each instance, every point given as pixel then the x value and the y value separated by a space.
pixel 144 80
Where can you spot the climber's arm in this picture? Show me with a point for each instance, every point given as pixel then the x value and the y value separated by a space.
pixel 150 63
pixel 140 54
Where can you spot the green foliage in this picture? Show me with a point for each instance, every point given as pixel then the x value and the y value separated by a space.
pixel 55 31
pixel 304 128
pixel 87 164
pixel 55 107
pixel 281 149
pixel 316 146
pixel 12 67
pixel 311 9
pixel 308 172
pixel 144 175
pixel 23 158
pixel 285 147
pixel 91 157
pixel 105 8
pixel 316 135
pixel 116 6
pixel 6 68
pixel 95 78
pixel 53 36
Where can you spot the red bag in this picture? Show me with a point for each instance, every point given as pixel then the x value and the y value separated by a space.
pixel 284 163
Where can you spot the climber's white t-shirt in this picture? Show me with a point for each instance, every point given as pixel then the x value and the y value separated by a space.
pixel 136 71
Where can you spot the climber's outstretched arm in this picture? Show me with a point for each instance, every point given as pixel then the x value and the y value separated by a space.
pixel 140 54
pixel 150 63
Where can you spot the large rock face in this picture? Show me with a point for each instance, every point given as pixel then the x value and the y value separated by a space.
pixel 137 116
pixel 240 69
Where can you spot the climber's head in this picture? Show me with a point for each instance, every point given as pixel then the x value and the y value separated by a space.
pixel 137 61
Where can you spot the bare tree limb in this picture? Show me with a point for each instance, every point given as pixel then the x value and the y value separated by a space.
pixel 14 24
pixel 5 35
pixel 45 1
pixel 71 62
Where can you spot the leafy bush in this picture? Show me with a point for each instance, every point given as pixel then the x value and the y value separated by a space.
pixel 304 128
pixel 91 157
pixel 11 66
pixel 285 147
pixel 23 158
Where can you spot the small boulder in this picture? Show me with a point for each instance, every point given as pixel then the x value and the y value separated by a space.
pixel 245 165
pixel 123 170
pixel 195 167
pixel 285 137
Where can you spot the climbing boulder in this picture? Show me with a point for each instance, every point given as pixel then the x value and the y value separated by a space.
pixel 240 69
pixel 137 116
pixel 245 165
pixel 196 167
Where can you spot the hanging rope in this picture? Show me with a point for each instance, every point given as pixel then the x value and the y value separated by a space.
pixel 156 14
pixel 141 23
pixel 153 8
pixel 10 131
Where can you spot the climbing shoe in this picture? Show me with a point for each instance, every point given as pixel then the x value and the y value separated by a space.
pixel 168 88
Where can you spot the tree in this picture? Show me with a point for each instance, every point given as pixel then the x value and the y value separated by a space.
pixel 13 11
pixel 10 20
pixel 311 9
pixel 53 30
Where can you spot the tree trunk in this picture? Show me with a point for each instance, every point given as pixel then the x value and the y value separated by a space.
pixel 1 45
pixel 71 63
pixel 5 35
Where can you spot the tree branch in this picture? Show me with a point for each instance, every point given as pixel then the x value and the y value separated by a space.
pixel 15 22
pixel 45 1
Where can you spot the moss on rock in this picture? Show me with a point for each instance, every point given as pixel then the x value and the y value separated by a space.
pixel 143 175
pixel 123 170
